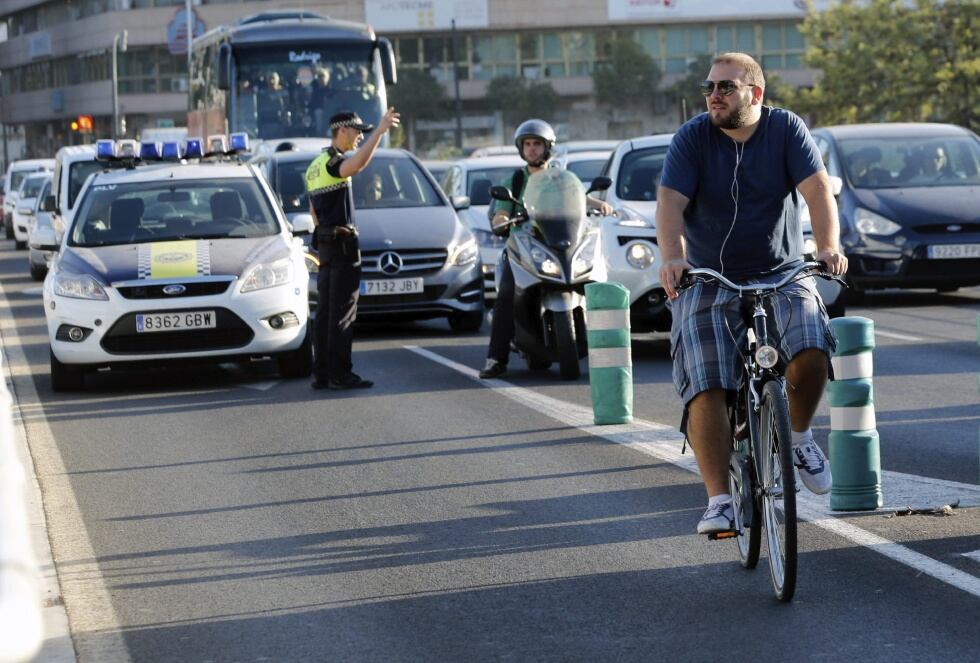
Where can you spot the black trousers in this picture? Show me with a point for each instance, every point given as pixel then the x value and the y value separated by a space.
pixel 502 325
pixel 338 288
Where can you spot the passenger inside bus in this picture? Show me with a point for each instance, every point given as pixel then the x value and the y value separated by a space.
pixel 273 108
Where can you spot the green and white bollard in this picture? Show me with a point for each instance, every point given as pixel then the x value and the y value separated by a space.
pixel 855 460
pixel 610 360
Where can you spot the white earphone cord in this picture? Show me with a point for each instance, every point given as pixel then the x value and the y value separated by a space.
pixel 734 192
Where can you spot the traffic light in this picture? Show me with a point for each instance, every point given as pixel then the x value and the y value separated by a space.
pixel 74 125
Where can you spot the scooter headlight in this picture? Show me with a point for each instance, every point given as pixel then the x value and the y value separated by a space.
pixel 639 255
pixel 545 263
pixel 766 356
pixel 585 257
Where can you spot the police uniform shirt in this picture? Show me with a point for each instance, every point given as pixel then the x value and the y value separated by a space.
pixel 330 194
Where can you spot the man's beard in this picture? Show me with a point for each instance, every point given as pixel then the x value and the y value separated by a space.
pixel 736 119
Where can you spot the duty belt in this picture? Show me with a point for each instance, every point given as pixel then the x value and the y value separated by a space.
pixel 338 232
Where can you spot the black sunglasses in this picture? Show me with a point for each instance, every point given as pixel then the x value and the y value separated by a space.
pixel 725 87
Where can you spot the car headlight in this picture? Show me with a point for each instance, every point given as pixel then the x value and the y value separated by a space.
pixel 639 255
pixel 268 275
pixel 585 256
pixel 809 246
pixel 630 218
pixel 465 254
pixel 79 286
pixel 869 223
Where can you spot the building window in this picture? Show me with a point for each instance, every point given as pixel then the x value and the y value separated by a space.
pixel 493 56
pixel 682 44
pixel 782 46
pixel 739 37
pixel 151 70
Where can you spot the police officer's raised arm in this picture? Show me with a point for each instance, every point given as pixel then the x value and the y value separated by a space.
pixel 362 157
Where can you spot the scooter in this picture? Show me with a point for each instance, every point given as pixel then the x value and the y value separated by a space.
pixel 552 257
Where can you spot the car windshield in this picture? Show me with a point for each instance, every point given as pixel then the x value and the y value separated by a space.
pixel 17 176
pixel 291 185
pixel 479 181
pixel 587 170
pixel 910 161
pixel 639 174
pixel 32 186
pixel 393 182
pixel 78 172
pixel 170 210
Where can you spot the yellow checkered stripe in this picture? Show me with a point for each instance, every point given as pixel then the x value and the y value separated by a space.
pixel 180 259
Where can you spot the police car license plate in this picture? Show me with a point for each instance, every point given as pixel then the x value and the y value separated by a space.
pixel 954 251
pixel 391 287
pixel 161 322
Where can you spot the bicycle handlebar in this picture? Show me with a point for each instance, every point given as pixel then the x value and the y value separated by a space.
pixel 818 268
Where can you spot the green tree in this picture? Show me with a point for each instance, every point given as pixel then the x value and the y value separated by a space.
pixel 418 96
pixel 628 78
pixel 892 60
pixel 520 99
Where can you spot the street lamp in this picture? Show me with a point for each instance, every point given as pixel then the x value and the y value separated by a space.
pixel 119 43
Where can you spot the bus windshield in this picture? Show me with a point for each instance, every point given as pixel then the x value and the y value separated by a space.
pixel 292 91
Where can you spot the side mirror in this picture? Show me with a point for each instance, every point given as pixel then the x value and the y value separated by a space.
pixel 387 54
pixel 460 202
pixel 502 193
pixel 302 224
pixel 600 184
pixel 836 185
pixel 48 204
pixel 224 67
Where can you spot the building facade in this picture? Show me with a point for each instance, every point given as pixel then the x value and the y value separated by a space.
pixel 56 56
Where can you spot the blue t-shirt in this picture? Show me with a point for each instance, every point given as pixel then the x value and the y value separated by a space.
pixel 765 236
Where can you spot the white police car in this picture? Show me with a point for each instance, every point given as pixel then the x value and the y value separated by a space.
pixel 190 259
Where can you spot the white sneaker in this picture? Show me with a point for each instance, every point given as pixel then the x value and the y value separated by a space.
pixel 814 469
pixel 717 518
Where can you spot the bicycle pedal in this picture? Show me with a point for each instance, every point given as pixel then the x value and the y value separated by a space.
pixel 730 534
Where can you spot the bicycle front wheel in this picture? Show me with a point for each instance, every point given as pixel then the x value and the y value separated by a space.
pixel 778 488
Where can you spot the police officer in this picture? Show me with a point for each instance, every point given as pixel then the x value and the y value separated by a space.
pixel 535 140
pixel 328 181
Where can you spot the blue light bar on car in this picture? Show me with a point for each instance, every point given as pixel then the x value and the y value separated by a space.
pixel 105 150
pixel 171 151
pixel 127 149
pixel 217 144
pixel 239 142
pixel 150 151
pixel 195 148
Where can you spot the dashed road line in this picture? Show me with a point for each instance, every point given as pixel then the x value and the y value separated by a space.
pixel 664 442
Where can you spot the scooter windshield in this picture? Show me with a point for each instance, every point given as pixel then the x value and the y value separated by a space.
pixel 555 202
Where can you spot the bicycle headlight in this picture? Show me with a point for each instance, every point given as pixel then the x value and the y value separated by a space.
pixel 585 256
pixel 79 286
pixel 639 255
pixel 268 275
pixel 766 356
pixel 870 223
pixel 465 253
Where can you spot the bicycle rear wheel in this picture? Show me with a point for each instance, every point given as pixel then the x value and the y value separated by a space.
pixel 778 488
pixel 747 522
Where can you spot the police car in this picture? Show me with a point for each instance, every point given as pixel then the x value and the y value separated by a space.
pixel 175 253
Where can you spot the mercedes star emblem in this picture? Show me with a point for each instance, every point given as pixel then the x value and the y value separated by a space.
pixel 390 263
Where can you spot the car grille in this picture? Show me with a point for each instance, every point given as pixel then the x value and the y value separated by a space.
pixel 964 267
pixel 155 291
pixel 430 293
pixel 230 332
pixel 414 261
pixel 943 229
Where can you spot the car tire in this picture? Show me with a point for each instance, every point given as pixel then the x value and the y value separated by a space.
pixel 9 226
pixel 567 348
pixel 297 363
pixel 65 377
pixel 20 246
pixel 464 323
pixel 38 272
pixel 536 364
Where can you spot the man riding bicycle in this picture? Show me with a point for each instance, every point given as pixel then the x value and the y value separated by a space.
pixel 727 201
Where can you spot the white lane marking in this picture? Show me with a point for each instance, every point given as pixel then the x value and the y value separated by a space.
pixel 975 555
pixel 36 291
pixel 260 386
pixel 84 590
pixel 896 335
pixel 663 442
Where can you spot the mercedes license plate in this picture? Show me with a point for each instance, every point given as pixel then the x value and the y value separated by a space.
pixel 954 251
pixel 391 287
pixel 161 322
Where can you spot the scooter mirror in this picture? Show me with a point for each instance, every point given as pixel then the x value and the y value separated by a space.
pixel 501 193
pixel 600 184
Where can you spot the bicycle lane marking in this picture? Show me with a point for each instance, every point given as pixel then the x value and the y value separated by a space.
pixel 83 589
pixel 664 442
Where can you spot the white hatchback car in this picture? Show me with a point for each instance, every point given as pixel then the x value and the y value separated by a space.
pixel 176 262
pixel 27 197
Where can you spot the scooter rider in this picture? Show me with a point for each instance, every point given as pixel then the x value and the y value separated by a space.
pixel 535 140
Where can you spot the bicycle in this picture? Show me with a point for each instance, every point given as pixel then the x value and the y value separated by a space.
pixel 761 477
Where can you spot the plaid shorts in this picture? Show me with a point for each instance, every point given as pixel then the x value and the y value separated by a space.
pixel 702 345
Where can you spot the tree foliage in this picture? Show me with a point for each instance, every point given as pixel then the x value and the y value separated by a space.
pixel 687 88
pixel 893 60
pixel 629 78
pixel 520 99
pixel 418 95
